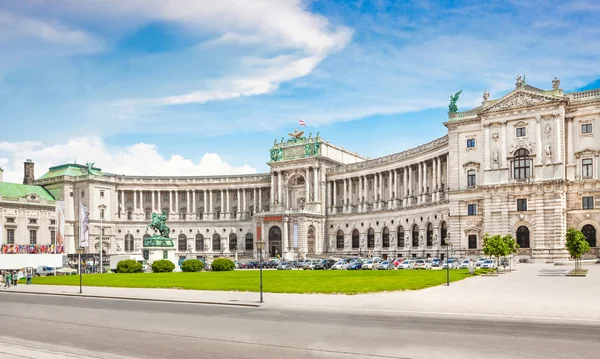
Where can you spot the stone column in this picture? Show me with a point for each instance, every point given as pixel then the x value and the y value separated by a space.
pixel 210 203
pixel 390 181
pixel 122 195
pixel 171 201
pixel 503 160
pixel 176 201
pixel 153 203
pixel 134 201
pixel 487 143
pixel 227 209
pixel 279 188
pixel 285 240
pixel 410 185
pixel 571 155
pixel 345 197
pixel 538 135
pixel 272 190
pixel 244 215
pixel 254 199
pixel 404 186
pixel 334 194
pixel 380 190
pixel 439 175
pixel 316 184
pixel 194 208
pixel 239 204
pixel 259 200
pixel 159 202
pixel 434 180
pixel 307 184
pixel 557 147
pixel 596 167
pixel 188 200
pixel 205 201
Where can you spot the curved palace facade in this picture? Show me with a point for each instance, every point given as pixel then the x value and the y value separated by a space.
pixel 525 164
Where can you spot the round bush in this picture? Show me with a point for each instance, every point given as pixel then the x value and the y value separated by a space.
pixel 192 265
pixel 222 265
pixel 129 266
pixel 163 266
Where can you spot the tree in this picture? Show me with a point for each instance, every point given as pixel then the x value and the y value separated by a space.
pixel 577 246
pixel 511 245
pixel 499 246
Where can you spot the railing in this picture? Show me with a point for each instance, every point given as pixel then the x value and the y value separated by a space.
pixel 584 94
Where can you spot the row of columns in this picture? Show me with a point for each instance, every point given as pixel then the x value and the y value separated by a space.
pixel 413 189
pixel 279 197
pixel 174 196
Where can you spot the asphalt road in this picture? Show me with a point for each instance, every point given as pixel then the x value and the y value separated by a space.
pixel 104 328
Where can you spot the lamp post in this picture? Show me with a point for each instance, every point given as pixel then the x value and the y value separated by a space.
pixel 260 245
pixel 447 241
pixel 79 251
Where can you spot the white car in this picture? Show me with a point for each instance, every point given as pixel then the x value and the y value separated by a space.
pixel 407 264
pixel 340 265
pixel 452 263
pixel 464 264
pixel 480 262
pixel 370 264
pixel 488 264
pixel 422 264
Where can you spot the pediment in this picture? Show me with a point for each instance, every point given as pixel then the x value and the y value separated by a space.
pixel 520 99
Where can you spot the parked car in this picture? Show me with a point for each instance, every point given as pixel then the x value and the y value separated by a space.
pixel 505 262
pixel 436 262
pixel 465 264
pixel 422 264
pixel 339 265
pixel 310 265
pixel 284 266
pixel 324 264
pixel 397 262
pixel 407 264
pixel 370 264
pixel 480 262
pixel 451 263
pixel 355 265
pixel 489 264
pixel 386 265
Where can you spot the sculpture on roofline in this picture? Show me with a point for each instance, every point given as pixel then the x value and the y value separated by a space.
pixel 452 108
pixel 486 95
pixel 90 165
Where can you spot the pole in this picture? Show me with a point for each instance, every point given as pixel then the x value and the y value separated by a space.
pixel 80 277
pixel 447 264
pixel 261 287
pixel 101 263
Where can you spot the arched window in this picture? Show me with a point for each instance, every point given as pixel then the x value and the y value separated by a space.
pixel 355 239
pixel 523 237
pixel 148 213
pixel 128 242
pixel 415 236
pixel 216 242
pixel 371 238
pixel 429 235
pixel 199 242
pixel 232 242
pixel 443 232
pixel 249 242
pixel 385 236
pixel 522 164
pixel 400 236
pixel 589 232
pixel 340 239
pixel 182 242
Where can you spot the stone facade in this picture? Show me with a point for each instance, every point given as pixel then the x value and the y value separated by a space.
pixel 526 164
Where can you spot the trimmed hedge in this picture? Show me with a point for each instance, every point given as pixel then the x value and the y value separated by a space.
pixel 129 266
pixel 192 265
pixel 222 265
pixel 163 266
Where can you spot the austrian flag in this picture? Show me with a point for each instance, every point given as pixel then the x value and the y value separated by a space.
pixel 302 123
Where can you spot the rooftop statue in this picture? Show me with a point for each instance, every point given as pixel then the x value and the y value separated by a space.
pixel 296 134
pixel 90 165
pixel 452 108
pixel 158 224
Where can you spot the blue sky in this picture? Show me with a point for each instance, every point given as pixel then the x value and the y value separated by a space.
pixel 202 87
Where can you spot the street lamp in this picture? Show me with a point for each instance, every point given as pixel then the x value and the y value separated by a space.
pixel 260 245
pixel 79 251
pixel 447 241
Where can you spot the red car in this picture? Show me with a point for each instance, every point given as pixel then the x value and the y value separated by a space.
pixel 397 262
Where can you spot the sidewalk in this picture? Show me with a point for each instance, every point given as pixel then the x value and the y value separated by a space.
pixel 11 348
pixel 522 294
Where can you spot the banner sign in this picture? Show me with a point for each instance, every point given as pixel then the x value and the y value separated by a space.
pixel 60 222
pixel 84 226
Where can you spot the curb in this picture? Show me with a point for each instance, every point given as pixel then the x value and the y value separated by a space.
pixel 77 295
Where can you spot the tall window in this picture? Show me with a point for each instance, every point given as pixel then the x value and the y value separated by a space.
pixel 32 236
pixel 52 237
pixel 586 128
pixel 587 202
pixel 472 209
pixel 129 215
pixel 522 204
pixel 249 242
pixel 443 232
pixel 232 242
pixel 10 236
pixel 471 143
pixel 182 242
pixel 216 242
pixel 101 213
pixel 371 238
pixel 587 168
pixel 148 214
pixel 429 235
pixel 199 242
pixel 355 239
pixel 385 234
pixel 471 178
pixel 415 236
pixel 472 241
pixel 521 132
pixel 400 236
pixel 523 237
pixel 128 243
pixel 339 239
pixel 522 164
pixel 589 232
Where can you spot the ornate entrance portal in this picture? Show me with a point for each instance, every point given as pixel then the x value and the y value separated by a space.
pixel 274 247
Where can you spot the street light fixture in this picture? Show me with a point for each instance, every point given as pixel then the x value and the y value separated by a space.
pixel 260 245
pixel 79 251
pixel 447 241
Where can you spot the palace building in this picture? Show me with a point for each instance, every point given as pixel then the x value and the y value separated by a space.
pixel 525 164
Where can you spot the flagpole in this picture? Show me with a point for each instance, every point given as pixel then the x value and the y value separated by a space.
pixel 101 263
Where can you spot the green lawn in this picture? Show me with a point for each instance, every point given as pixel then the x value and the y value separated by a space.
pixel 346 282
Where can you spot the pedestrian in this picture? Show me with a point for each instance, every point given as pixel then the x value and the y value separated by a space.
pixel 7 279
pixel 28 277
pixel 471 267
pixel 1 278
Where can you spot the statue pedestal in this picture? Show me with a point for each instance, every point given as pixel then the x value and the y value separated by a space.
pixel 158 248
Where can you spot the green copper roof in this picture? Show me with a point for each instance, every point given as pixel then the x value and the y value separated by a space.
pixel 16 190
pixel 71 170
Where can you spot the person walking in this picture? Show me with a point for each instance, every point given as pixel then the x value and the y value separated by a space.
pixel 7 279
pixel 28 277
pixel 1 278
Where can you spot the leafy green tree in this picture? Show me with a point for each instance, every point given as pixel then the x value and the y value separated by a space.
pixel 192 265
pixel 577 246
pixel 511 245
pixel 494 246
pixel 162 266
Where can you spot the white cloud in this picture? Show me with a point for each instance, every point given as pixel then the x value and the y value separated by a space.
pixel 138 159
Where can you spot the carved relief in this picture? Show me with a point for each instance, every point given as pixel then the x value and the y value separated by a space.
pixel 547 129
pixel 522 143
pixel 495 135
pixel 519 100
